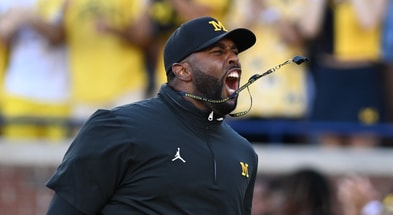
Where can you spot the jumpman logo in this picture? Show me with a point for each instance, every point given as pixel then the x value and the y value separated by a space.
pixel 177 156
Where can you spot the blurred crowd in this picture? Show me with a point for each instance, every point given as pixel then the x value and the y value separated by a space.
pixel 60 60
pixel 310 191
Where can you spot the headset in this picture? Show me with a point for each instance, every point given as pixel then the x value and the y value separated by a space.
pixel 297 60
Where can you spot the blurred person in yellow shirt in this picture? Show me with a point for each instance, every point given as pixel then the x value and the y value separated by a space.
pixel 347 72
pixel 283 94
pixel 35 88
pixel 106 59
pixel 281 32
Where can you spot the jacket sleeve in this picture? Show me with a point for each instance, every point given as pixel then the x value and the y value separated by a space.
pixel 93 166
pixel 59 206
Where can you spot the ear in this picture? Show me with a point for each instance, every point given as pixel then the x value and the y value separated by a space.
pixel 182 71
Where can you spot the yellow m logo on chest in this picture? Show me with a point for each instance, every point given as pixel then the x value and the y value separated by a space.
pixel 218 26
pixel 244 169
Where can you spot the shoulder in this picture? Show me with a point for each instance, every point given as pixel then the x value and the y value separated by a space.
pixel 142 110
pixel 126 119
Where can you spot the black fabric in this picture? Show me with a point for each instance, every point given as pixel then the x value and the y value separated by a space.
pixel 121 162
pixel 60 207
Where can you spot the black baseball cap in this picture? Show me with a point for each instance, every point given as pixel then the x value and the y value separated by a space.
pixel 200 33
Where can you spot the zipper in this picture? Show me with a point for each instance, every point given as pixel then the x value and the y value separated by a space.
pixel 214 162
pixel 210 117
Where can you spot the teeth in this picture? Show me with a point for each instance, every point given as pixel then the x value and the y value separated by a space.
pixel 232 82
pixel 233 75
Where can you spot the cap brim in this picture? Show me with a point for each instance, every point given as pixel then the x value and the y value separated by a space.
pixel 242 37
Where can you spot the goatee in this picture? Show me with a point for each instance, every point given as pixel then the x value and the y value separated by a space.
pixel 211 88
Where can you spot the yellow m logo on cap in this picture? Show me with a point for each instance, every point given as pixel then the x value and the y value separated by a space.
pixel 218 26
pixel 244 169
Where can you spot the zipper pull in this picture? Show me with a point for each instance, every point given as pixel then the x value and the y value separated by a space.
pixel 210 118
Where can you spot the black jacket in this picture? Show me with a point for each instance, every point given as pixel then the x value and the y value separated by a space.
pixel 123 161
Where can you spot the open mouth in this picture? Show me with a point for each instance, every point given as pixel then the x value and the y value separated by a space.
pixel 232 81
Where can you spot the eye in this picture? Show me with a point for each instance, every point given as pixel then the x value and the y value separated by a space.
pixel 217 51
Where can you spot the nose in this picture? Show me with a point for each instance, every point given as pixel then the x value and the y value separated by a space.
pixel 233 59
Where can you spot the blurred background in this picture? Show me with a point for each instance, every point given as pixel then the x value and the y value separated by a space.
pixel 323 130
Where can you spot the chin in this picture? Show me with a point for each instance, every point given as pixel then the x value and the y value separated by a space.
pixel 225 108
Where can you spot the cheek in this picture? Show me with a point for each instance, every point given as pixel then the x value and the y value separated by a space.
pixel 208 65
pixel 212 69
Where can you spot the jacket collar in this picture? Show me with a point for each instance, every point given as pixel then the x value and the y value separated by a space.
pixel 176 101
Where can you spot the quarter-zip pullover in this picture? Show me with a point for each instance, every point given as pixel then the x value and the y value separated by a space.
pixel 158 156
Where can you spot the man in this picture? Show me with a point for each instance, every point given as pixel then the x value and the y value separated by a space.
pixel 172 154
